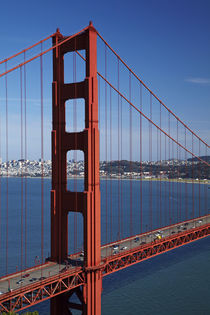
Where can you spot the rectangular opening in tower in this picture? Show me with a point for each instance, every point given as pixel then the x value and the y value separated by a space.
pixel 74 67
pixel 75 171
pixel 75 115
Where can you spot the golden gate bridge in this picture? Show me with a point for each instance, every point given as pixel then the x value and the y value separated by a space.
pixel 113 116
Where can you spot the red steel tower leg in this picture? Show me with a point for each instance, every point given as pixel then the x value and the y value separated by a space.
pixel 62 200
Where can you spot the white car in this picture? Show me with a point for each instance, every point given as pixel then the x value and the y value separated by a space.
pixel 19 281
pixel 157 234
pixel 115 247
pixel 124 247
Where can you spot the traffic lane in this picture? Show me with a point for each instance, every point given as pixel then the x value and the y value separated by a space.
pixel 30 277
pixel 46 271
pixel 147 238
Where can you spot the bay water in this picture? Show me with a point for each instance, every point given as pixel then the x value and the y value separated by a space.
pixel 177 282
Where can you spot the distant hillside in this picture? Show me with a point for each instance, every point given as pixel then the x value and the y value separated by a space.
pixel 205 158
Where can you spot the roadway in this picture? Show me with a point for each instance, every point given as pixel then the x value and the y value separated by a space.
pixel 50 269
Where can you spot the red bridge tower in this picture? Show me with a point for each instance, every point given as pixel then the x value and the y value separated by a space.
pixel 62 200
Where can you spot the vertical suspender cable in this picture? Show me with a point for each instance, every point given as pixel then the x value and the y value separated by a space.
pixel 99 125
pixel 7 180
pixel 169 181
pixel 75 152
pixel 160 170
pixel 177 173
pixel 206 195
pixel 118 145
pixel 121 146
pixel 0 179
pixel 172 176
pixel 59 80
pixel 156 170
pixel 150 159
pixel 186 171
pixel 110 164
pixel 25 110
pixel 149 169
pixel 73 158
pixel 180 192
pixel 106 144
pixel 21 154
pixel 131 214
pixel 199 183
pixel 140 126
pixel 99 103
pixel 165 184
pixel 75 71
pixel 42 160
pixel 193 200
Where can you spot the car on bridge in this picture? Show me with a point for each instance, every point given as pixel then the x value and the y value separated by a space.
pixel 158 235
pixel 42 278
pixel 33 279
pixel 19 281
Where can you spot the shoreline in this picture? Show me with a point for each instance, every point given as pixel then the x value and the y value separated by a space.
pixel 183 181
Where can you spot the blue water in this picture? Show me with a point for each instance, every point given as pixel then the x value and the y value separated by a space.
pixel 176 282
pixel 173 283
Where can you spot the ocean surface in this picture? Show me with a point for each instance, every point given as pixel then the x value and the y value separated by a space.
pixel 174 283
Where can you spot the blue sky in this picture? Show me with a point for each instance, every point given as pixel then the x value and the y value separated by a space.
pixel 165 42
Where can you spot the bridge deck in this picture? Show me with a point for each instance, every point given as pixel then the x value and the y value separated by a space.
pixel 21 288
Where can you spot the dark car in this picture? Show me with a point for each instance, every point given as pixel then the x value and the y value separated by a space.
pixel 42 278
pixel 19 281
pixel 64 269
pixel 33 279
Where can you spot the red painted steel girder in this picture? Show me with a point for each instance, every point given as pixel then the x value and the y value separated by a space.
pixel 136 255
pixel 64 282
pixel 40 291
